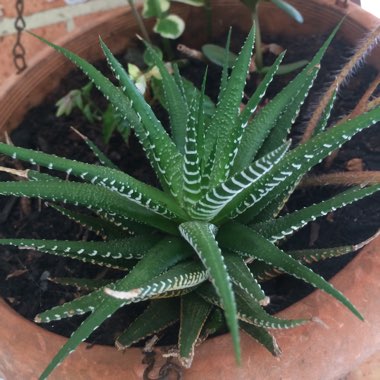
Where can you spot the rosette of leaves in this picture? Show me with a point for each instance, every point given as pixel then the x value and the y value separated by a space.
pixel 211 232
pixel 168 25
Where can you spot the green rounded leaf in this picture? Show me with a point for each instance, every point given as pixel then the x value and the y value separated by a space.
pixel 155 8
pixel 170 27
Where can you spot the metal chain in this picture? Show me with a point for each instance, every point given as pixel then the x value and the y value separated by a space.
pixel 18 49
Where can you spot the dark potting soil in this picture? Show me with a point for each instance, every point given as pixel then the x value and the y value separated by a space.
pixel 24 275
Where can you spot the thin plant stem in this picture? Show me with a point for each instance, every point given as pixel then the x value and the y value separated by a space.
pixel 373 103
pixel 348 68
pixel 208 11
pixel 167 48
pixel 258 41
pixel 140 21
pixel 343 179
pixel 362 105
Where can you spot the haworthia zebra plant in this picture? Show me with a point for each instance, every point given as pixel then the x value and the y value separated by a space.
pixel 211 232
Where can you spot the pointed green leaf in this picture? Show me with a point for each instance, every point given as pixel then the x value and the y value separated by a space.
pixel 160 149
pixel 138 192
pixel 280 131
pixel 191 164
pixel 219 197
pixel 232 235
pixel 277 229
pixel 156 317
pixel 194 312
pixel 176 104
pixel 322 123
pixel 223 129
pixel 259 93
pixel 262 336
pixel 229 60
pixel 111 253
pixel 78 306
pixel 252 312
pixel 201 236
pixel 241 276
pixel 98 316
pixel 214 323
pixel 298 162
pixel 263 271
pixel 181 276
pixel 257 131
pixel 103 159
pixel 81 283
pixel 163 255
pixel 93 197
pixel 100 227
pixel 249 310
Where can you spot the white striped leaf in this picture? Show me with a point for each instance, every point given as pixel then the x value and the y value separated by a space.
pixel 160 149
pixel 280 131
pixel 264 271
pixel 103 311
pixel 277 229
pixel 176 104
pixel 219 197
pixel 242 239
pixel 250 311
pixel 260 91
pixel 191 164
pixel 257 132
pixel 117 181
pixel 181 276
pixel 226 64
pixel 242 277
pixel 95 198
pixel 323 121
pixel 122 105
pixel 103 228
pixel 78 306
pixel 113 252
pixel 223 128
pixel 164 255
pixel 295 164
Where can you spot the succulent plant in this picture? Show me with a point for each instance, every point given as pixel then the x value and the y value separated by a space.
pixel 211 232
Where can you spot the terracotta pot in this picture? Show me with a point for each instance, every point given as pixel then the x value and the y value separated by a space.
pixel 321 350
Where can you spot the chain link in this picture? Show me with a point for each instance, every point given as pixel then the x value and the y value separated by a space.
pixel 18 49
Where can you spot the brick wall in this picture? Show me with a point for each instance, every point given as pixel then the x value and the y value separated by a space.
pixel 49 18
